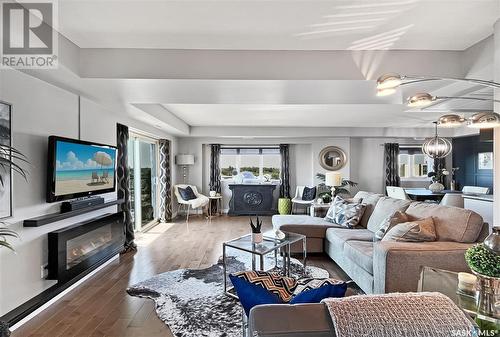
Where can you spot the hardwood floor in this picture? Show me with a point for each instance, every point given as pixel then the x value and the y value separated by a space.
pixel 101 307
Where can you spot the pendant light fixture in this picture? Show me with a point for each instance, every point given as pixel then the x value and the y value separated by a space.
pixel 436 147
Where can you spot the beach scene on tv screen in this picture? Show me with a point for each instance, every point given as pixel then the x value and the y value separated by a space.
pixel 83 168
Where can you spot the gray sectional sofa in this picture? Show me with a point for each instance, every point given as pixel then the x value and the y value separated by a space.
pixel 376 267
pixel 382 267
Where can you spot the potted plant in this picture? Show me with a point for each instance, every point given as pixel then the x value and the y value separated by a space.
pixel 257 236
pixel 485 264
pixel 436 179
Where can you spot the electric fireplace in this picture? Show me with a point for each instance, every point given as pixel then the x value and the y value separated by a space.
pixel 83 247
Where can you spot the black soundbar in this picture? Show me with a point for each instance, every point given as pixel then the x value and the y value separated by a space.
pixel 73 205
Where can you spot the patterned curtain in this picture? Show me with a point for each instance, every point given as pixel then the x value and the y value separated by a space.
pixel 165 181
pixel 439 164
pixel 123 179
pixel 391 153
pixel 285 171
pixel 214 168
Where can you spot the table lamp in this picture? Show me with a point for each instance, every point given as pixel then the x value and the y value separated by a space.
pixel 333 179
pixel 184 160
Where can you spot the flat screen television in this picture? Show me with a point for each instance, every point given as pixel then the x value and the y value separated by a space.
pixel 77 168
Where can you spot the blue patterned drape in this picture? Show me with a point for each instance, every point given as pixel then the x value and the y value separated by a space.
pixel 285 171
pixel 165 181
pixel 123 180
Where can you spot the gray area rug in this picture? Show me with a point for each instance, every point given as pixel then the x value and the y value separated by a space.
pixel 192 301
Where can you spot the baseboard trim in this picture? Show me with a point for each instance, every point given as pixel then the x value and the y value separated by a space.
pixel 26 311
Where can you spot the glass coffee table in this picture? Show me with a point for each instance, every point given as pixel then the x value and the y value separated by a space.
pixel 446 282
pixel 270 244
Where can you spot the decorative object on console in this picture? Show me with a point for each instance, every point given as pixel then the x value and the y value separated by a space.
pixel 184 160
pixel 332 158
pixel 436 147
pixel 256 230
pixel 187 300
pixel 485 264
pixel 344 213
pixel 453 184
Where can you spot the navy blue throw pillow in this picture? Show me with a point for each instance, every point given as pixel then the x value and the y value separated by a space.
pixel 309 193
pixel 318 294
pixel 251 294
pixel 187 193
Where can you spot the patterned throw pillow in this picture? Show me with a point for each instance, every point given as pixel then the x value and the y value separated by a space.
pixel 281 286
pixel 389 222
pixel 315 290
pixel 414 231
pixel 309 193
pixel 344 213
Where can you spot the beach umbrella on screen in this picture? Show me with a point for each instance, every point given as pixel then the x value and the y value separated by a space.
pixel 103 159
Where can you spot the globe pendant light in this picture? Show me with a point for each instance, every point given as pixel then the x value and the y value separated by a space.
pixel 436 147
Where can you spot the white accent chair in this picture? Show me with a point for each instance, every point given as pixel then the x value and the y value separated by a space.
pixel 475 190
pixel 200 201
pixel 397 193
pixel 453 199
pixel 297 200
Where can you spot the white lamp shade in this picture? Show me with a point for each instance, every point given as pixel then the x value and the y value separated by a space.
pixel 184 159
pixel 333 179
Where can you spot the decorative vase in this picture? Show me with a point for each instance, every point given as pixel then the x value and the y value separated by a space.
pixel 436 187
pixel 453 185
pixel 284 206
pixel 492 242
pixel 257 238
pixel 488 295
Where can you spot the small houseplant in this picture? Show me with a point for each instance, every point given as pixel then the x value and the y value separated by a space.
pixel 436 179
pixel 486 265
pixel 257 236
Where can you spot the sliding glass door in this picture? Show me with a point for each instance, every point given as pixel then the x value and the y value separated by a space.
pixel 143 164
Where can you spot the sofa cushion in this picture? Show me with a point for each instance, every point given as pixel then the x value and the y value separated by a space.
pixel 312 227
pixel 370 200
pixel 452 223
pixel 339 236
pixel 385 207
pixel 361 253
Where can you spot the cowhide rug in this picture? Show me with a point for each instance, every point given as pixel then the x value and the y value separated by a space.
pixel 192 301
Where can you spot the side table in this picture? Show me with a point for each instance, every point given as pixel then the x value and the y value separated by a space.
pixel 218 206
pixel 319 210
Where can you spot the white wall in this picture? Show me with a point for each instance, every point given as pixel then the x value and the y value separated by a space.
pixel 40 110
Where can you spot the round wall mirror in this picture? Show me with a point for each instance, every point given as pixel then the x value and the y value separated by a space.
pixel 332 158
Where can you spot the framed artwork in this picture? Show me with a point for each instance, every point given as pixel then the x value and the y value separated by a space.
pixel 5 139
pixel 485 161
pixel 332 158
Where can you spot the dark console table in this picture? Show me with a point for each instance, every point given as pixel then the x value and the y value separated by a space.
pixel 251 199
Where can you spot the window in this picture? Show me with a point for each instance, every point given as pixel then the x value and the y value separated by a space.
pixel 250 162
pixel 413 163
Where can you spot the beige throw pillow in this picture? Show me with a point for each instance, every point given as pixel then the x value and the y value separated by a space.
pixel 413 231
pixel 389 222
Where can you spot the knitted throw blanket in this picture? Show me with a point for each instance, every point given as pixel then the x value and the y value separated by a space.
pixel 398 315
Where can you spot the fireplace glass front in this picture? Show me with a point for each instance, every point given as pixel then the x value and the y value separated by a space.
pixel 86 245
